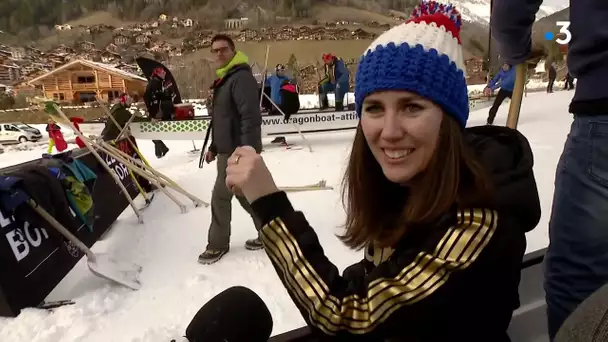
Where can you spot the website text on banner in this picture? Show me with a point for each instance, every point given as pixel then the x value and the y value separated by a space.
pixel 34 260
pixel 302 119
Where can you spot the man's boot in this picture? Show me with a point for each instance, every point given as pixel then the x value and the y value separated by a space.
pixel 324 103
pixel 339 106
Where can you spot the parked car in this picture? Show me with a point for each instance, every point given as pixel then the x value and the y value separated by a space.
pixel 18 133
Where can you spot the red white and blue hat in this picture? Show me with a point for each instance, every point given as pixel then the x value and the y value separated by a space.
pixel 423 56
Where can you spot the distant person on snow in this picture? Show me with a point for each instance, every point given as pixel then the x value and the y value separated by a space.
pixel 336 79
pixel 236 121
pixel 54 131
pixel 285 96
pixel 576 263
pixel 568 82
pixel 160 105
pixel 505 79
pixel 552 73
pixel 121 114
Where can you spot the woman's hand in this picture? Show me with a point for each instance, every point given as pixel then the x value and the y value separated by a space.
pixel 247 174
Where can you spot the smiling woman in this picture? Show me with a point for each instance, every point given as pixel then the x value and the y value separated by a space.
pixel 441 210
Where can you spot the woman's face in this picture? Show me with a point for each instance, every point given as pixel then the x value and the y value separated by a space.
pixel 402 131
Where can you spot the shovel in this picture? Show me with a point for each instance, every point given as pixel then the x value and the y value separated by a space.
pixel 102 265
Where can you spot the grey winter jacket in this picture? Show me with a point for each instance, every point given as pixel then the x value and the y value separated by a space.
pixel 236 115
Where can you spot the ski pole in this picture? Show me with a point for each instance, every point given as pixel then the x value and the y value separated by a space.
pixel 201 160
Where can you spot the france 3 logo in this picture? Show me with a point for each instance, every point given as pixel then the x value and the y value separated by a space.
pixel 564 35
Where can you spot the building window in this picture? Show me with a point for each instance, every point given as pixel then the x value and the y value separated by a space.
pixel 58 96
pixel 113 94
pixel 85 79
pixel 85 97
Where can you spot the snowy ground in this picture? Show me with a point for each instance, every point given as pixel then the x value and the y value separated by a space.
pixel 175 286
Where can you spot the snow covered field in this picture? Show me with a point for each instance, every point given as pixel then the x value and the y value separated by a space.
pixel 175 285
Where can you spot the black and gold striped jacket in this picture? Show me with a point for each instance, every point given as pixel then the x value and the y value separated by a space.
pixel 455 281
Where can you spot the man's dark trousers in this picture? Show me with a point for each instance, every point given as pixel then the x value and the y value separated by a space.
pixel 500 97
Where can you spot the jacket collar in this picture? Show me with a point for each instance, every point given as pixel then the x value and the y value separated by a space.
pixel 218 82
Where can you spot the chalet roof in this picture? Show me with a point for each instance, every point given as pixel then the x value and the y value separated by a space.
pixel 94 65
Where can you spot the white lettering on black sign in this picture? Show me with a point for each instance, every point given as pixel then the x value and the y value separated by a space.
pixel 121 170
pixel 23 239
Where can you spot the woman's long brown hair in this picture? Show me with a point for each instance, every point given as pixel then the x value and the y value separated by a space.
pixel 380 211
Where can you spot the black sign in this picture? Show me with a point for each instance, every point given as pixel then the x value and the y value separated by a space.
pixel 33 260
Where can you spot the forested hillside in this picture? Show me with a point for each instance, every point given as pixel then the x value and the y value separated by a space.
pixel 33 18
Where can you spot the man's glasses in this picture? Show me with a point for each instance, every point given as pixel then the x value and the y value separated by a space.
pixel 220 50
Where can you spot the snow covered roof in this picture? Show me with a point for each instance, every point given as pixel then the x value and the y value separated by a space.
pixel 95 65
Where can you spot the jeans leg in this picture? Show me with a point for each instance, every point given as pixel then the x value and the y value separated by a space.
pixel 324 89
pixel 341 91
pixel 221 208
pixel 576 263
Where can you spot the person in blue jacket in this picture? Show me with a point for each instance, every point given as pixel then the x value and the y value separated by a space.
pixel 336 79
pixel 276 82
pixel 505 80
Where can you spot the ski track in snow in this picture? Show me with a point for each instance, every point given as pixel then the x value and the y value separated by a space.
pixel 175 285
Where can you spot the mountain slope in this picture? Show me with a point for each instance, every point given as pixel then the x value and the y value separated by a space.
pixel 479 10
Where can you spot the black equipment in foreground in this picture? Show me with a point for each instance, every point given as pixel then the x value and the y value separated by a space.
pixel 235 315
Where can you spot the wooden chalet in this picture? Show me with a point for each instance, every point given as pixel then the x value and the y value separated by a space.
pixel 82 81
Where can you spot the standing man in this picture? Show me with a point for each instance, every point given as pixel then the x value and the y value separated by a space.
pixel 505 79
pixel 552 73
pixel 276 82
pixel 159 101
pixel 336 79
pixel 237 121
pixel 576 264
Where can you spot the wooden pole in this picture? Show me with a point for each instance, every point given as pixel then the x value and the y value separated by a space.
pixel 518 94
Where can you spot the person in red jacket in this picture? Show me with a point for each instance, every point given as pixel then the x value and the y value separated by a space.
pixel 55 136
pixel 76 121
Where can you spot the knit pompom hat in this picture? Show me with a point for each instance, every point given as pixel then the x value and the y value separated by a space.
pixel 423 56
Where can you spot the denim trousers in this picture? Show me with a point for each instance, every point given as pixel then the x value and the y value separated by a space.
pixel 576 262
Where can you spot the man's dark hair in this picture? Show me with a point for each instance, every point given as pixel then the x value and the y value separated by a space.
pixel 225 38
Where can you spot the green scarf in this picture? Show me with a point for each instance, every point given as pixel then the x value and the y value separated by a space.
pixel 239 58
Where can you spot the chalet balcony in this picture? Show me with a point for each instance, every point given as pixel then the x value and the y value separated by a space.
pixel 91 86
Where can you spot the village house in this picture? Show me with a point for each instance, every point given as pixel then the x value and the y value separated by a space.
pixel 121 39
pixel 18 52
pixel 9 73
pixel 187 22
pixel 236 24
pixel 63 27
pixel 474 70
pixel 142 39
pixel 86 46
pixel 109 57
pixel 82 81
pixel 112 47
pixel 163 17
pixel 64 49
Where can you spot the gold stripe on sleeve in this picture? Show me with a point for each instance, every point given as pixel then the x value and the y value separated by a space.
pixel 457 249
